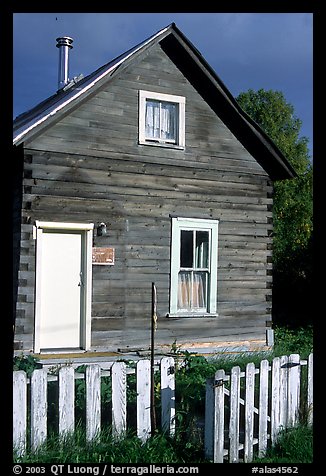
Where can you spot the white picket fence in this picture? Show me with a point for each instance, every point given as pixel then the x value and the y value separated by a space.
pixel 241 412
pixel 38 406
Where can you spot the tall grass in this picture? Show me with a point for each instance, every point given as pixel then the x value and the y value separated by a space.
pixel 74 449
pixel 294 445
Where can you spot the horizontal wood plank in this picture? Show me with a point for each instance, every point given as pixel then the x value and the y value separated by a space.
pixel 88 167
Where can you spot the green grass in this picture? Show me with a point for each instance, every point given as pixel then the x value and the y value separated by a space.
pixel 294 445
pixel 74 449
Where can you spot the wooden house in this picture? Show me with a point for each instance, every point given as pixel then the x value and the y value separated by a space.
pixel 145 171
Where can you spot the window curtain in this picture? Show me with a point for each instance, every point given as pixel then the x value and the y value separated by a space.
pixel 191 290
pixel 152 119
pixel 160 120
pixel 168 113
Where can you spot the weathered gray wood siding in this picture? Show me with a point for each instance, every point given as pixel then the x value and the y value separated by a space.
pixel 89 168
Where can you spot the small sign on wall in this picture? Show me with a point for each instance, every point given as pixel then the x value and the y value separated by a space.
pixel 103 256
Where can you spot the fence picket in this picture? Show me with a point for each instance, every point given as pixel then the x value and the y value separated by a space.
pixel 283 391
pixel 249 413
pixel 38 408
pixel 93 401
pixel 209 419
pixel 66 400
pixel 234 415
pixel 119 399
pixel 143 399
pixel 275 405
pixel 263 408
pixel 310 392
pixel 168 395
pixel 19 411
pixel 293 389
pixel 219 416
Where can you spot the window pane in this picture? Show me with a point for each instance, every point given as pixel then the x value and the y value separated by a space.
pixel 161 120
pixel 168 121
pixel 192 290
pixel 186 249
pixel 184 290
pixel 152 119
pixel 201 257
pixel 199 290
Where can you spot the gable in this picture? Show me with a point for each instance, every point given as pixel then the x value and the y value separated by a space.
pixel 198 73
pixel 107 122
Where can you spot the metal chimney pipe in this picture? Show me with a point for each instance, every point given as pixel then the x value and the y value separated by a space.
pixel 64 43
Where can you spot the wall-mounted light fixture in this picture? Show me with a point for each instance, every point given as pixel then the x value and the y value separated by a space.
pixel 101 229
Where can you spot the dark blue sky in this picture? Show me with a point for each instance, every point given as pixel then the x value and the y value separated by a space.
pixel 246 50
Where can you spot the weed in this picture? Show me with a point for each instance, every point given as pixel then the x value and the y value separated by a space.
pixel 289 341
pixel 75 449
pixel 294 445
pixel 28 363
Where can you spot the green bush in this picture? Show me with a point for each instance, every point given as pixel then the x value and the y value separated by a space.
pixel 28 363
pixel 298 341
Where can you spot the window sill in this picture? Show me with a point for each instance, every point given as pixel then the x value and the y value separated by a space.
pixel 191 315
pixel 166 145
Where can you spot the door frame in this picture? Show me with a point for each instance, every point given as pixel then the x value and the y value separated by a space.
pixel 86 230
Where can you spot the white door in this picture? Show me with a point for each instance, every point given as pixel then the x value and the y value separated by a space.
pixel 62 274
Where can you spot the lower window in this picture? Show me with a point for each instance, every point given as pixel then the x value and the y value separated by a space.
pixel 193 267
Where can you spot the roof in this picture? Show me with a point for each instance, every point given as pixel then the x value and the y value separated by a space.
pixel 200 74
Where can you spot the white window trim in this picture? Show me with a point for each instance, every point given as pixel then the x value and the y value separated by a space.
pixel 179 224
pixel 180 100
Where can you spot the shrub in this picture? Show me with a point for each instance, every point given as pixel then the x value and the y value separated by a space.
pixel 28 363
pixel 288 341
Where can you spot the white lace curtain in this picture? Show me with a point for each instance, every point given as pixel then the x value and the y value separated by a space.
pixel 160 120
pixel 191 290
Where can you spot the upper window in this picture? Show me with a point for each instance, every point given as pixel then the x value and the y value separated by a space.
pixel 161 119
pixel 193 267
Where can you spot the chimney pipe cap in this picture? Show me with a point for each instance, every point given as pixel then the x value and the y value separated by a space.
pixel 64 41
